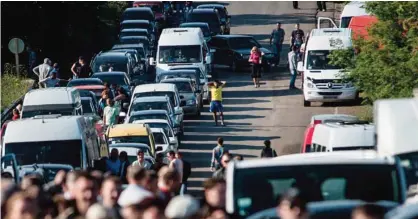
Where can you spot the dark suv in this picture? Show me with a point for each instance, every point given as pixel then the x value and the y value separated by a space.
pixel 223 13
pixel 118 61
pixel 210 16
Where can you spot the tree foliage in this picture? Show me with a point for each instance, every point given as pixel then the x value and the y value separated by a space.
pixel 386 65
pixel 60 30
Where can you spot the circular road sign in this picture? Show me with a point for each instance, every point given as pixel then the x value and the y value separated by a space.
pixel 16 45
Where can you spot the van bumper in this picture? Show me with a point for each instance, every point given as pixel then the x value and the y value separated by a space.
pixel 316 95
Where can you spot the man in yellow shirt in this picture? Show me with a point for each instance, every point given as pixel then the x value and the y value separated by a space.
pixel 216 103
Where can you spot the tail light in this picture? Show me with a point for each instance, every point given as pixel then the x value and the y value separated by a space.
pixel 317 122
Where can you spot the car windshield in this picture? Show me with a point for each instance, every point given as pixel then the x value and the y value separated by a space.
pixel 176 75
pixel 105 63
pixel 137 15
pixel 182 87
pixel 86 106
pixel 80 82
pixel 135 26
pixel 128 40
pixel 319 60
pixel 130 139
pixel 148 116
pixel 133 33
pixel 149 106
pixel 180 54
pixel 159 138
pixel 204 28
pixel 321 182
pixel 243 43
pixel 163 126
pixel 46 152
pixel 32 113
pixel 154 8
pixel 111 79
pixel 158 94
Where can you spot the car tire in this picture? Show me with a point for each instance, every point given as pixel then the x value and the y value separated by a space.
pixel 306 103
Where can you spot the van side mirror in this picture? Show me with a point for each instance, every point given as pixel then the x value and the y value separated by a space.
pixel 300 66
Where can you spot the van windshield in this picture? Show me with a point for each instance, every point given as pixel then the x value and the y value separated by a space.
pixel 180 54
pixel 321 182
pixel 319 60
pixel 59 152
pixel 33 113
pixel 130 139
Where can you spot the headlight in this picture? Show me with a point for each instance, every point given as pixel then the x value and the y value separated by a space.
pixel 191 102
pixel 348 85
pixel 310 85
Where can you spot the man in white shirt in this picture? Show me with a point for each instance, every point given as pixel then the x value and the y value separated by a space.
pixel 43 70
pixel 292 56
pixel 175 163
pixel 51 81
pixel 141 162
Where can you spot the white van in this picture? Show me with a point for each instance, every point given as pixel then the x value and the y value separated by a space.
pixel 52 139
pixel 322 82
pixel 343 136
pixel 56 100
pixel 397 132
pixel 181 46
pixel 352 9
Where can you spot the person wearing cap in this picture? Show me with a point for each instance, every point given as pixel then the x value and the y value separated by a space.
pixel 141 162
pixel 267 151
pixel 43 70
pixel 185 207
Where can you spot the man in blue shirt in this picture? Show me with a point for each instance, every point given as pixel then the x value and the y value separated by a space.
pixel 276 41
pixel 55 69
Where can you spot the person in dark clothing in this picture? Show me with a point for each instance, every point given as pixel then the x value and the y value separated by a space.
pixel 123 157
pixel 322 5
pixel 298 37
pixel 187 170
pixel 159 163
pixel 80 69
pixel 295 5
pixel 267 151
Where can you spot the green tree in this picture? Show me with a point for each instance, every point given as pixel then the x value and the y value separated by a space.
pixel 386 65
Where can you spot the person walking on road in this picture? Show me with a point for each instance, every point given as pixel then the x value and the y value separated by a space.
pixel 255 60
pixel 276 41
pixel 322 5
pixel 267 151
pixel 51 81
pixel 43 70
pixel 216 103
pixel 187 170
pixel 292 56
pixel 80 69
pixel 298 37
pixel 217 153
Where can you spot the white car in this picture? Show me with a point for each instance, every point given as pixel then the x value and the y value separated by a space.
pixel 161 140
pixel 164 124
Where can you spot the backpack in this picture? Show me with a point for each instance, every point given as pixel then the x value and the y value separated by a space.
pixel 268 152
pixel 187 170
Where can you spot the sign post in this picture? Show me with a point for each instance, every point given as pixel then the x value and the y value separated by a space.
pixel 16 46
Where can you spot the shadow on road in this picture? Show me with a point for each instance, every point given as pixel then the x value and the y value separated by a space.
pixel 241 102
pixel 209 123
pixel 228 138
pixel 268 19
pixel 211 128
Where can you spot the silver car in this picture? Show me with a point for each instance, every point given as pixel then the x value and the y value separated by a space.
pixel 189 93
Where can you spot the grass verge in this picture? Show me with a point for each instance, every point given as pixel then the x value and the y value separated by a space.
pixel 12 87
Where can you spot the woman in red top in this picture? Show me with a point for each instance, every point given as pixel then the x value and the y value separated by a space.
pixel 255 59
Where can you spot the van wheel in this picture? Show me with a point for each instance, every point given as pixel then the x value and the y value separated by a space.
pixel 306 103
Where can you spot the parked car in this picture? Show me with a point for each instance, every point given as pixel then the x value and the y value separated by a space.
pixel 161 140
pixel 113 61
pixel 137 40
pixel 84 81
pixel 210 16
pixel 234 51
pixel 138 13
pixel 157 8
pixel 135 32
pixel 203 26
pixel 149 114
pixel 139 24
pixel 189 93
pixel 165 125
pixel 116 77
pixel 223 13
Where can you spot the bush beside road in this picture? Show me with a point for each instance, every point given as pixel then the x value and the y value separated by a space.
pixel 13 86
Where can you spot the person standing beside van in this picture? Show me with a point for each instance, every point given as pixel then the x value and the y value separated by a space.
pixel 298 37
pixel 255 59
pixel 110 113
pixel 267 151
pixel 277 37
pixel 293 67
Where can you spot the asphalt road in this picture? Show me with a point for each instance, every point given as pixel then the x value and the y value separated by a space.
pixel 253 115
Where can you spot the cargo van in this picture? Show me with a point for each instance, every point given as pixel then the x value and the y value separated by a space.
pixel 343 136
pixel 397 132
pixel 56 100
pixel 322 82
pixel 181 46
pixel 352 9
pixel 52 139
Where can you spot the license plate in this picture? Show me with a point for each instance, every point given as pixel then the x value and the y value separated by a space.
pixel 330 97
